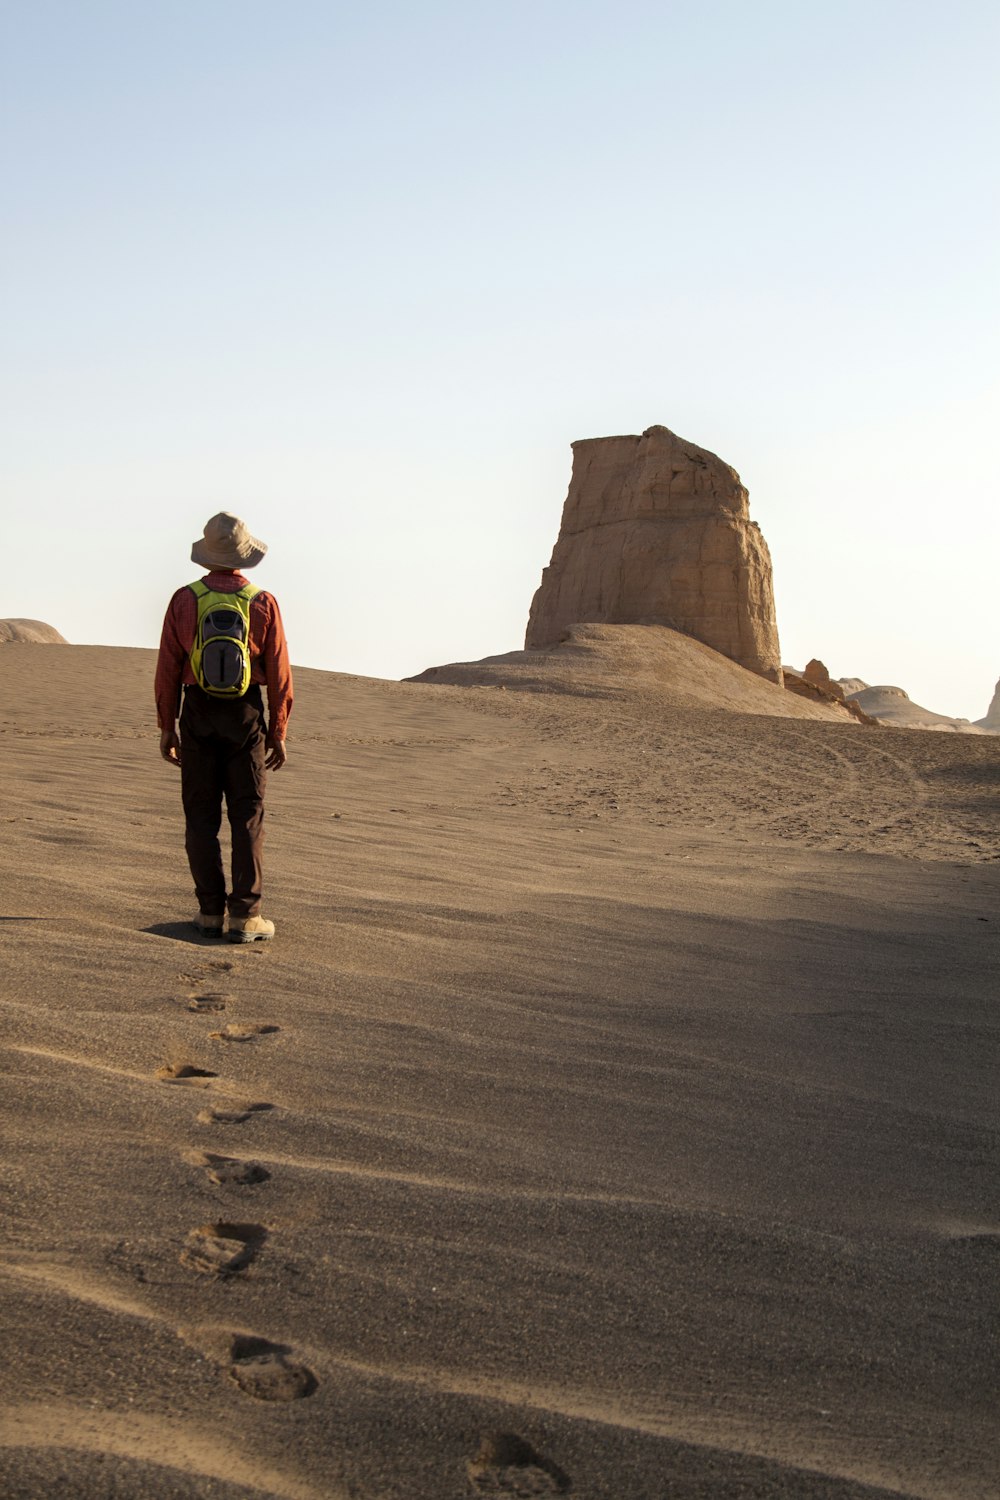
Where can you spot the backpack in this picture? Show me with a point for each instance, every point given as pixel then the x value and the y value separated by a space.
pixel 220 656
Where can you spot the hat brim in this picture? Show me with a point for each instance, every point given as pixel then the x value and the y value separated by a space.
pixel 228 557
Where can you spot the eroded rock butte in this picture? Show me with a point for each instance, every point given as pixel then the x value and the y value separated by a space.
pixel 656 531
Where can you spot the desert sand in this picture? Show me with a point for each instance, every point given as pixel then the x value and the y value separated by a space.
pixel 614 1115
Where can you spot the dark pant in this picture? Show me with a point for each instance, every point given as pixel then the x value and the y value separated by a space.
pixel 222 755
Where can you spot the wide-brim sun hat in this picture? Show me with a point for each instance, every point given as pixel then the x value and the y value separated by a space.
pixel 227 543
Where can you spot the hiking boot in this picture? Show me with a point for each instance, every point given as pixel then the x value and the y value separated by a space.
pixel 209 924
pixel 250 929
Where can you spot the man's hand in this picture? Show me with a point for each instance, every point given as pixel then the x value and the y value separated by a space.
pixel 276 752
pixel 170 746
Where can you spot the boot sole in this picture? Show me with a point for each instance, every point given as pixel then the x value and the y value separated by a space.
pixel 250 937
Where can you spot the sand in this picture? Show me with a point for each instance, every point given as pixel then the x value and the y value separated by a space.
pixel 623 1079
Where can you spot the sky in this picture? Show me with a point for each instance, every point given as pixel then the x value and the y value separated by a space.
pixel 362 274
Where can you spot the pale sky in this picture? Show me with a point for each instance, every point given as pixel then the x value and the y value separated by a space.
pixel 361 273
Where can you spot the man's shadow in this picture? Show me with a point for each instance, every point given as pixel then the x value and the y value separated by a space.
pixel 185 932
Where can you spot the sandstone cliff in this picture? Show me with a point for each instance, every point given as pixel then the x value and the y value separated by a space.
pixel 657 531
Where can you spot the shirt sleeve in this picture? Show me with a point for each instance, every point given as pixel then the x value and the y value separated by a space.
pixel 170 668
pixel 278 672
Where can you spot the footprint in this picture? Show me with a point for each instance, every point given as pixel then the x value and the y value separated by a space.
pixel 243 1031
pixel 222 1249
pixel 508 1465
pixel 208 1003
pixel 230 1169
pixel 194 977
pixel 185 1073
pixel 233 1112
pixel 266 1372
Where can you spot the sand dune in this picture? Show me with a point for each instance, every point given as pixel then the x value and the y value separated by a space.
pixel 639 663
pixel 622 1079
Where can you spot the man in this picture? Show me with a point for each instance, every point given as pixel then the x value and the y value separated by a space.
pixel 223 747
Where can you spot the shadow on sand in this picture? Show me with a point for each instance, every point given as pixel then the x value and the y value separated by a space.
pixel 184 932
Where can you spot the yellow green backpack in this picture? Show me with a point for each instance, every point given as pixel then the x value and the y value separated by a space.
pixel 220 656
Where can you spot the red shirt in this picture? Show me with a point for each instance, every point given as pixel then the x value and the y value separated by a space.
pixel 268 652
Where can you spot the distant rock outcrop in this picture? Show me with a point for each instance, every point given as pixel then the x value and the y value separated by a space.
pixel 30 632
pixel 657 531
pixel 817 673
pixel 992 719
pixel 890 705
pixel 816 684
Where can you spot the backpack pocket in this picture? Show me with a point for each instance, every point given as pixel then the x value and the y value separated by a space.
pixel 225 659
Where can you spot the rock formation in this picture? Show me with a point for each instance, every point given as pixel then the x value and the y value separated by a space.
pixel 891 705
pixel 29 632
pixel 816 684
pixel 816 672
pixel 992 719
pixel 657 531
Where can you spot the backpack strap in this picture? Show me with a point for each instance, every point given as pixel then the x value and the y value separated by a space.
pixel 200 588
